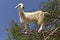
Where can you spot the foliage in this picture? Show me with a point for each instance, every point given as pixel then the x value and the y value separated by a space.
pixel 53 7
pixel 15 33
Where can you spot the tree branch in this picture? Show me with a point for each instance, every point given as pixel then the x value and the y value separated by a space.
pixel 51 33
pixel 55 20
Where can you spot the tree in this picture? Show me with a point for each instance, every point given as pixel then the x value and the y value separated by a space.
pixel 53 7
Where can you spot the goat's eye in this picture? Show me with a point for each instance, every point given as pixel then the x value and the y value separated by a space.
pixel 19 5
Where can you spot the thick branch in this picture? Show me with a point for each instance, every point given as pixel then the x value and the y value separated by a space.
pixel 51 33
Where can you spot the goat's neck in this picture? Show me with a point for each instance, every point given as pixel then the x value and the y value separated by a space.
pixel 21 13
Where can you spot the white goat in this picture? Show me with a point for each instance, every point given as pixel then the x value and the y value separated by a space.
pixel 31 17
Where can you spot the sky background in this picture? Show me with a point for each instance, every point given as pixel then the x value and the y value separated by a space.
pixel 8 12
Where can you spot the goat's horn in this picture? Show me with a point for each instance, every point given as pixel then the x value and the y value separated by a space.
pixel 15 6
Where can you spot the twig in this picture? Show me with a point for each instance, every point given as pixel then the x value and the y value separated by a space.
pixel 54 20
pixel 51 33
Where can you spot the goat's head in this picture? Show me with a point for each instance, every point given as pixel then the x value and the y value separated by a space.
pixel 20 5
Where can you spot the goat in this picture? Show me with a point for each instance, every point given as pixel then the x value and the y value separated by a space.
pixel 31 17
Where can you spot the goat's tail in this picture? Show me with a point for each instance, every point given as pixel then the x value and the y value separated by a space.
pixel 46 12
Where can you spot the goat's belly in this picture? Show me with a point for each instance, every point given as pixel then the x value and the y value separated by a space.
pixel 32 20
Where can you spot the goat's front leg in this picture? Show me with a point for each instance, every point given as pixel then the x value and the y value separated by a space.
pixel 26 28
pixel 41 28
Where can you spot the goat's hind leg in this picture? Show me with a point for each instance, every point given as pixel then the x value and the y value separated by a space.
pixel 41 28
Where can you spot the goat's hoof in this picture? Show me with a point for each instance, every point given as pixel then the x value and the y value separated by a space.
pixel 39 31
pixel 26 32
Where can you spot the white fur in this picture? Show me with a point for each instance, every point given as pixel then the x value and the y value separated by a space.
pixel 31 17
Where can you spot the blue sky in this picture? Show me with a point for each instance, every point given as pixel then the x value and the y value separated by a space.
pixel 8 12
